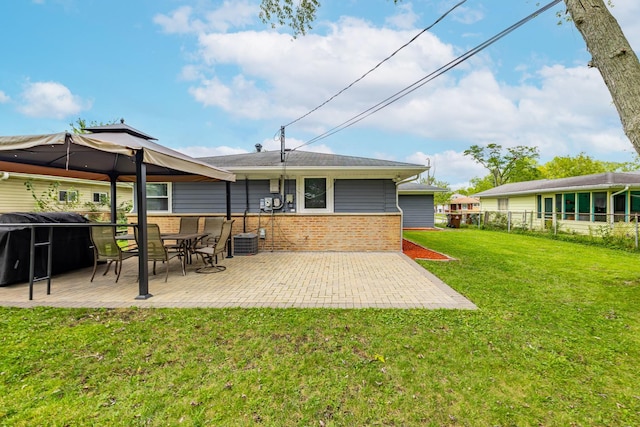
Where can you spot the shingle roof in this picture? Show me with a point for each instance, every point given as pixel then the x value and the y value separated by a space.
pixel 462 200
pixel 597 181
pixel 301 159
pixel 414 187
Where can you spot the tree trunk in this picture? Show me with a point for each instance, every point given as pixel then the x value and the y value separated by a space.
pixel 613 57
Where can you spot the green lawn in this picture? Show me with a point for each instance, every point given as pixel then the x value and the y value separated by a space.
pixel 554 342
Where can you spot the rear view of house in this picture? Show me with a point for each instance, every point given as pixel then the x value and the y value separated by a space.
pixel 298 200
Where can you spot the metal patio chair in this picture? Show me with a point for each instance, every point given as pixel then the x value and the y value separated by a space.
pixel 157 251
pixel 106 248
pixel 212 229
pixel 188 225
pixel 210 254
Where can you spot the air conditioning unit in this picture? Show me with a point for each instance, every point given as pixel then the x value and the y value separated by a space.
pixel 245 244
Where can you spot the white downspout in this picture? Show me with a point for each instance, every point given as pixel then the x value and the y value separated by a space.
pixel 398 203
pixel 613 219
pixel 4 176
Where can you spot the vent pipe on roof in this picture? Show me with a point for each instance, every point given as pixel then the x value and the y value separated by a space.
pixel 258 148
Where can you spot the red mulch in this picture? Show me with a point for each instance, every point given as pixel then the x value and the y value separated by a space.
pixel 414 251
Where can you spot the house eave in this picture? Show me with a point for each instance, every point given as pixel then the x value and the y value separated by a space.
pixel 559 190
pixel 378 172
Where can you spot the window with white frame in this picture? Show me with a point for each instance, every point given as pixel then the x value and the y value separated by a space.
pixel 158 197
pixel 99 197
pixel 316 194
pixel 67 196
pixel 503 204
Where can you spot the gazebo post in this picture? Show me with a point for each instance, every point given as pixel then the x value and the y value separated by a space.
pixel 114 200
pixel 229 249
pixel 143 250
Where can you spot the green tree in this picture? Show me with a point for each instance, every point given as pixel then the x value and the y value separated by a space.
pixel 79 126
pixel 504 166
pixel 610 50
pixel 478 185
pixel 566 166
pixel 582 164
pixel 440 197
pixel 526 169
pixel 632 166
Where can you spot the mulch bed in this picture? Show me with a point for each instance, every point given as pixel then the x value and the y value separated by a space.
pixel 414 251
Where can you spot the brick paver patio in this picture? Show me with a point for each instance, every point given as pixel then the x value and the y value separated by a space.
pixel 268 279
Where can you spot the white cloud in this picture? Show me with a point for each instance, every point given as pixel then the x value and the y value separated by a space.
pixel 264 75
pixel 267 145
pixel 277 77
pixel 50 100
pixel 178 22
pixel 448 166
pixel 405 19
pixel 468 15
pixel 232 14
pixel 4 98
pixel 626 13
pixel 273 144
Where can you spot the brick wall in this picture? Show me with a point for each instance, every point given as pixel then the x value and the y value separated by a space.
pixel 295 232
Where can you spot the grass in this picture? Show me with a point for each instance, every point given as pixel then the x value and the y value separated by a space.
pixel 555 342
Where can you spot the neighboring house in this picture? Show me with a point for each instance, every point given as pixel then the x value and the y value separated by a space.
pixel 308 202
pixel 575 203
pixel 417 204
pixel 17 198
pixel 464 205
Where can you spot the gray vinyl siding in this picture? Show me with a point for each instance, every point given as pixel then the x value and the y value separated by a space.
pixel 417 210
pixel 210 197
pixel 364 196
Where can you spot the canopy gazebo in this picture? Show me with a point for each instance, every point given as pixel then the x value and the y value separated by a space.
pixel 109 153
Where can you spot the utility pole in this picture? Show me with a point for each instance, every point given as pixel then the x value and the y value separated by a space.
pixel 281 144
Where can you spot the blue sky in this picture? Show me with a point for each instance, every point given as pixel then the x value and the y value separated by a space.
pixel 209 78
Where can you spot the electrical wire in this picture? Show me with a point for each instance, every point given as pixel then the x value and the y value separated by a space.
pixel 379 64
pixel 429 77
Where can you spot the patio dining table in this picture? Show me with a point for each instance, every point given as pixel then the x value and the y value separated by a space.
pixel 187 241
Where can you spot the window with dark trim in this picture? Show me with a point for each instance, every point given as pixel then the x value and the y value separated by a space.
pixel 584 207
pixel 634 204
pixel 548 208
pixel 600 207
pixel 570 206
pixel 67 196
pixel 620 207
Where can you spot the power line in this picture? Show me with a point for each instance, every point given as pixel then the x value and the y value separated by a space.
pixel 418 84
pixel 377 65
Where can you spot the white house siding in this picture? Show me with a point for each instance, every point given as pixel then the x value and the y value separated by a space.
pixel 488 204
pixel 16 197
pixel 522 203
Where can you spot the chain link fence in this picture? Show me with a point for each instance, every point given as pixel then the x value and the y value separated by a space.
pixel 620 229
